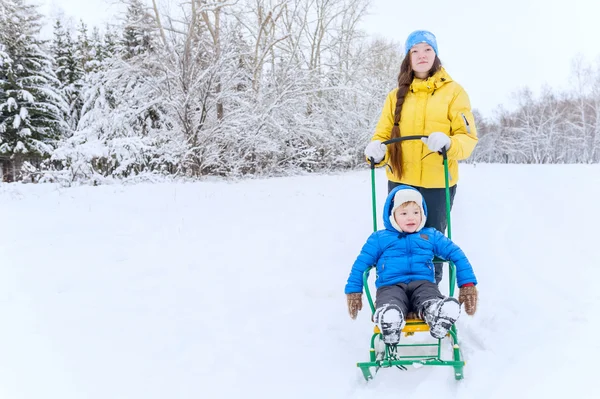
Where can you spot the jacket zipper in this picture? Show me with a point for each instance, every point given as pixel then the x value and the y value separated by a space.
pixel 409 250
pixel 466 123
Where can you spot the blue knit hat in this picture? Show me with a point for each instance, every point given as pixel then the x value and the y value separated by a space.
pixel 421 36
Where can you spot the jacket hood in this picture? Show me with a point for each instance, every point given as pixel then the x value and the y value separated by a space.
pixel 390 204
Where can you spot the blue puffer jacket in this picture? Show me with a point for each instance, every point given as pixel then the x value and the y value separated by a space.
pixel 405 257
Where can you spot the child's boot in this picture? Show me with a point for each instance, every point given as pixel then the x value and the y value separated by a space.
pixel 440 314
pixel 391 321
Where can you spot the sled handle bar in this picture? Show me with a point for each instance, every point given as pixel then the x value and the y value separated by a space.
pixel 399 139
pixel 406 138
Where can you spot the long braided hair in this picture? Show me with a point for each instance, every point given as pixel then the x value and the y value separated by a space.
pixel 405 78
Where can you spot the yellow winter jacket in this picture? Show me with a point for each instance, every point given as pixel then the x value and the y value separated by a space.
pixel 437 104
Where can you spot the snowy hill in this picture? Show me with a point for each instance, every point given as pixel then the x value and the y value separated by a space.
pixel 235 290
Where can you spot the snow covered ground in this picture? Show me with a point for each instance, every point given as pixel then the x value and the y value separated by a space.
pixel 235 290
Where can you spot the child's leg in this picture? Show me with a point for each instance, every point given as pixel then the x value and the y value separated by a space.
pixel 438 311
pixel 391 306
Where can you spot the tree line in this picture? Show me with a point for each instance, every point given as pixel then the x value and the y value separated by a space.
pixel 231 88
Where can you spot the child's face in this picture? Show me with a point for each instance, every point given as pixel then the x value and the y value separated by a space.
pixel 408 217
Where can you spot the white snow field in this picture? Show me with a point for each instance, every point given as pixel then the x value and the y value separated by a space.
pixel 235 290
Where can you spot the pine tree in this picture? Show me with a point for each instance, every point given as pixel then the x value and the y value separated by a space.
pixel 60 52
pixel 109 44
pixel 31 106
pixel 96 50
pixel 68 71
pixel 138 36
pixel 85 52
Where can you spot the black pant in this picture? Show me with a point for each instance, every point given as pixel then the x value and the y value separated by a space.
pixel 435 199
pixel 408 297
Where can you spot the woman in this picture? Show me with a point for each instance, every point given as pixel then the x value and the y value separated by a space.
pixel 427 102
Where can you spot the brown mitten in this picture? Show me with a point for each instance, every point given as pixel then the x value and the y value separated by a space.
pixel 354 303
pixel 468 296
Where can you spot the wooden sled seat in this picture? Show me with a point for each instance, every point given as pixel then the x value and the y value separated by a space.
pixel 413 324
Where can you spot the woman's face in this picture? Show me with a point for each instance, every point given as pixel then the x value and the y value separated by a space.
pixel 421 59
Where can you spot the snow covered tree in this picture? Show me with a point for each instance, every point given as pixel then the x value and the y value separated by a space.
pixel 553 127
pixel 60 52
pixel 31 106
pixel 119 134
pixel 96 45
pixel 123 130
pixel 109 46
pixel 138 31
pixel 68 71
pixel 85 50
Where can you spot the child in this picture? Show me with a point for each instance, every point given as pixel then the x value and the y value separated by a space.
pixel 403 254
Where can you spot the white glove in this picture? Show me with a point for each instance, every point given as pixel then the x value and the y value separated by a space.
pixel 376 150
pixel 436 141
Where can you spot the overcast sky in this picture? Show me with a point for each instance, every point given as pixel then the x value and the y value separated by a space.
pixel 492 48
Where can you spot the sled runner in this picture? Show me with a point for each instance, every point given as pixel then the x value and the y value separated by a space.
pixel 382 355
